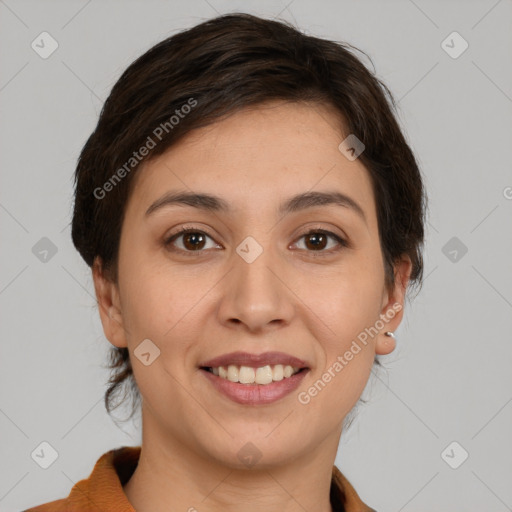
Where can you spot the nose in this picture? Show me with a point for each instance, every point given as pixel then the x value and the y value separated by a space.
pixel 256 295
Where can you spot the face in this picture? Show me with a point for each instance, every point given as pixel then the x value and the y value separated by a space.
pixel 260 270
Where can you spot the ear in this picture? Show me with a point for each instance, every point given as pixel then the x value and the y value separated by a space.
pixel 393 306
pixel 109 305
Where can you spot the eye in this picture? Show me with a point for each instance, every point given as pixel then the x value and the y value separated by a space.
pixel 316 240
pixel 190 240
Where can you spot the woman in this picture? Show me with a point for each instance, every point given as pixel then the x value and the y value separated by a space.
pixel 253 218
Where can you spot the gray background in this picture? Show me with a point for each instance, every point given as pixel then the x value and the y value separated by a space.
pixel 450 378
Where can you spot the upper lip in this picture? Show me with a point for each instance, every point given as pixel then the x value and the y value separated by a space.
pixel 254 360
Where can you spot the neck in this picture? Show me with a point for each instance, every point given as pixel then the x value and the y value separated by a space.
pixel 172 476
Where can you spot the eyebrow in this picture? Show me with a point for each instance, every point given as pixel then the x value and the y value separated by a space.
pixel 296 203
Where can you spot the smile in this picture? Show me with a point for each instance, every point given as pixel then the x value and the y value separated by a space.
pixel 254 393
pixel 263 375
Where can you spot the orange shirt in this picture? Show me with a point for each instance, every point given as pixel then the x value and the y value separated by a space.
pixel 103 490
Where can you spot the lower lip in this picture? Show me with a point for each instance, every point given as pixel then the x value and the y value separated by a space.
pixel 256 394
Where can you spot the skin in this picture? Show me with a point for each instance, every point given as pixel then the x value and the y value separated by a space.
pixel 211 302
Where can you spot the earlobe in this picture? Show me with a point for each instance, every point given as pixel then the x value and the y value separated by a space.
pixel 386 345
pixel 393 307
pixel 107 297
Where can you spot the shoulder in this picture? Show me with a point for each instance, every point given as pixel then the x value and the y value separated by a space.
pixel 343 495
pixel 103 487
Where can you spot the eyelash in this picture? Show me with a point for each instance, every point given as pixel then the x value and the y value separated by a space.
pixel 322 253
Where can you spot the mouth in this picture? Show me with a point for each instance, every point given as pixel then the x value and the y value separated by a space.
pixel 252 379
pixel 262 375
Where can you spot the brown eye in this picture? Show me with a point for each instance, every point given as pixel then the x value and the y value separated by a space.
pixel 188 240
pixel 318 240
pixel 193 241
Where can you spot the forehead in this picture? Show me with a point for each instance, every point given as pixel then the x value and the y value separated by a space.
pixel 257 157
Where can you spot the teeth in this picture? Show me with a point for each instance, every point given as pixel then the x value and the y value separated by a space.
pixel 233 373
pixel 278 373
pixel 248 375
pixel 263 375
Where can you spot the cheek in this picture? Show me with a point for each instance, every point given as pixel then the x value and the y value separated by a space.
pixel 169 309
pixel 347 300
pixel 345 307
pixel 159 309
pixel 156 298
pixel 347 351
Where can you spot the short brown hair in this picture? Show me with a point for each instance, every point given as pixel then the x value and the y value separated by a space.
pixel 221 66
